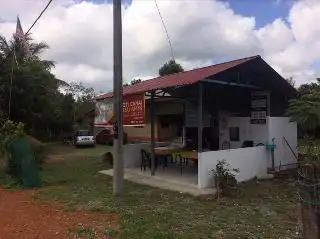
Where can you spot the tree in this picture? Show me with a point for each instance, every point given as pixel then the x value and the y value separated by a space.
pixel 170 67
pixel 305 110
pixel 308 88
pixel 27 53
pixel 291 81
pixel 23 55
pixel 35 99
pixel 83 99
pixel 135 81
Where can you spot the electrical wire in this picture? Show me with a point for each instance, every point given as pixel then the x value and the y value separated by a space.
pixel 165 29
pixel 40 15
pixel 33 24
pixel 14 57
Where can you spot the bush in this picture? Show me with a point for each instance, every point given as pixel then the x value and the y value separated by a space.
pixel 38 149
pixel 9 131
pixel 224 177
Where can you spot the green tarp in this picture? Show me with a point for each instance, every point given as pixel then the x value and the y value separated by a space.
pixel 23 163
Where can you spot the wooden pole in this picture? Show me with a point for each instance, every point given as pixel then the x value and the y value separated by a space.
pixel 152 116
pixel 200 114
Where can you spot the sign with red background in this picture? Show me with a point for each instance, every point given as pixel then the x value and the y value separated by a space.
pixel 133 111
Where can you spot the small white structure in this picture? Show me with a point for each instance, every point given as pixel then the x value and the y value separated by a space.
pixel 252 161
pixel 236 110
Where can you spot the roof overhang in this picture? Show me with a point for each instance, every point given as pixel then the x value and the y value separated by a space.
pixel 251 72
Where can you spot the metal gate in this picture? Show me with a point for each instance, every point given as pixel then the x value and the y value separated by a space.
pixel 308 191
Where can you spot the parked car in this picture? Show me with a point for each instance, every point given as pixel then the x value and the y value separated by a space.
pixel 84 138
pixel 106 136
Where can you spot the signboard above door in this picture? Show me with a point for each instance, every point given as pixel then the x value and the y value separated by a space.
pixel 133 111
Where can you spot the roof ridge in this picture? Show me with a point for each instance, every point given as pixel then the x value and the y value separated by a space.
pixel 178 73
pixel 200 68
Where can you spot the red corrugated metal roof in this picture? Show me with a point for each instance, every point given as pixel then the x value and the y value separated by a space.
pixel 178 79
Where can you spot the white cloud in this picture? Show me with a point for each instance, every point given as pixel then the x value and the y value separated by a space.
pixel 80 37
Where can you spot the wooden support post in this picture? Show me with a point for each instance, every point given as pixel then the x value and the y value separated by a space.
pixel 152 117
pixel 200 114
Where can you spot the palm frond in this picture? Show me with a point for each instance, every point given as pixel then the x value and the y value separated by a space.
pixel 48 64
pixel 37 48
pixel 4 45
pixel 62 83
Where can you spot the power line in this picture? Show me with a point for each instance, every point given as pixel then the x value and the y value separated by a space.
pixel 33 24
pixel 14 56
pixel 165 29
pixel 40 15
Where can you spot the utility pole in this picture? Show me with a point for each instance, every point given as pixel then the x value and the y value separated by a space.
pixel 118 174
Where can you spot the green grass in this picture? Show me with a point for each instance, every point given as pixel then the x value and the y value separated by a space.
pixel 83 232
pixel 306 142
pixel 262 210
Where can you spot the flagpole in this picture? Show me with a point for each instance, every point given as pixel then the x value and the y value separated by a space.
pixel 118 174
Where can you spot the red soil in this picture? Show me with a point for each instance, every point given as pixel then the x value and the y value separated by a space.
pixel 23 216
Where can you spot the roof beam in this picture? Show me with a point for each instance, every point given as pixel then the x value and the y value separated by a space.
pixel 230 84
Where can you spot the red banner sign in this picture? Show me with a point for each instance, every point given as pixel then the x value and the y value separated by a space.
pixel 133 111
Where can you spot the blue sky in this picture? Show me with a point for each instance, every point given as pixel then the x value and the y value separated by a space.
pixel 264 11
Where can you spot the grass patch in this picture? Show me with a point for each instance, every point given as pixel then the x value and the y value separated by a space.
pixel 262 210
pixel 83 232
pixel 110 232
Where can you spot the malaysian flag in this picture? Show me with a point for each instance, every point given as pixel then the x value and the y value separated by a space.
pixel 21 37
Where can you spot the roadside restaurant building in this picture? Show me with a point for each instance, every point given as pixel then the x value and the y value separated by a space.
pixel 232 111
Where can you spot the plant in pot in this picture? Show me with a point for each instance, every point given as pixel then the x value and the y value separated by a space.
pixel 224 177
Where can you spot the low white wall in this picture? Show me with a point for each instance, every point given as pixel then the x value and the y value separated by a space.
pixel 280 127
pixel 252 162
pixel 258 133
pixel 132 153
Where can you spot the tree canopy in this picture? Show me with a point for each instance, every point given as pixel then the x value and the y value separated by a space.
pixel 305 110
pixel 170 67
pixel 133 82
pixel 34 97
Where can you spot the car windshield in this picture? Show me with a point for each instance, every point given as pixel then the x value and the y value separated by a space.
pixel 83 133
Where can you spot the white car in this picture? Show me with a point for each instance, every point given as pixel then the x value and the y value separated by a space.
pixel 84 138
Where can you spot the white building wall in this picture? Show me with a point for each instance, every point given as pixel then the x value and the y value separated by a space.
pixel 252 162
pixel 280 127
pixel 258 133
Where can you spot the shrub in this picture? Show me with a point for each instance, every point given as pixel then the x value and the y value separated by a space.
pixel 9 130
pixel 224 177
pixel 38 149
